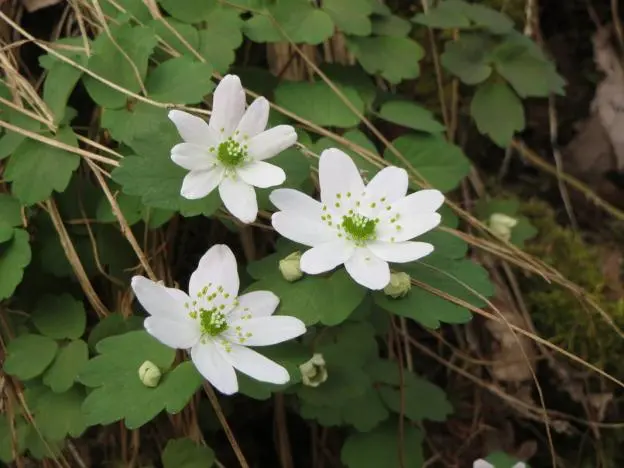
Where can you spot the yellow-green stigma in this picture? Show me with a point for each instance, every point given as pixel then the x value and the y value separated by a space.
pixel 359 228
pixel 212 322
pixel 231 153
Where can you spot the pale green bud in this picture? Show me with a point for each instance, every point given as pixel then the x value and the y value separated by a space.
pixel 399 285
pixel 313 372
pixel 290 267
pixel 150 374
pixel 501 225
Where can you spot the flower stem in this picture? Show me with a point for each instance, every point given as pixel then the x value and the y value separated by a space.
pixel 226 427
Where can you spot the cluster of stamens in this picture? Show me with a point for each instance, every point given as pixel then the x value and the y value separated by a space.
pixel 212 318
pixel 231 153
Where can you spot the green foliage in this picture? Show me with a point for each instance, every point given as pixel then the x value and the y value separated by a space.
pixel 381 447
pixel 68 363
pixel 410 115
pixel 180 80
pixel 113 375
pixel 60 317
pixel 29 355
pixel 37 169
pixel 15 255
pixel 324 106
pixel 502 460
pixel 497 112
pixel 183 453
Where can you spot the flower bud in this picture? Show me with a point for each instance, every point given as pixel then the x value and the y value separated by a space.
pixel 150 374
pixel 313 372
pixel 501 225
pixel 399 285
pixel 290 267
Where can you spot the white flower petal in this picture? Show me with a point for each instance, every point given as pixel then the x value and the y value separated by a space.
pixel 173 333
pixel 239 198
pixel 193 129
pixel 198 184
pixel 192 157
pixel 326 257
pixel 157 300
pixel 482 464
pixel 519 465
pixel 256 303
pixel 262 174
pixel 228 106
pixel 256 365
pixel 217 268
pixel 264 331
pixel 400 252
pixel 368 270
pixel 254 120
pixel 293 200
pixel 302 229
pixel 406 227
pixel 421 201
pixel 338 174
pixel 210 360
pixel 267 144
pixel 388 186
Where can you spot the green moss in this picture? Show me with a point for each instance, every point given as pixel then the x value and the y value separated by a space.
pixel 557 313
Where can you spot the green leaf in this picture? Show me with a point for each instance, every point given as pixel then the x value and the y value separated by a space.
pixel 155 178
pixel 502 460
pixel 524 66
pixel 497 111
pixel 180 80
pixel 393 58
pixel 463 280
pixel 350 16
pixel 187 32
pixel 448 14
pixel 469 58
pixel 64 371
pixel 220 38
pixel 37 169
pixel 439 162
pixel 299 19
pixel 329 300
pixel 365 412
pixel 14 257
pixel 189 11
pixel 410 115
pixel 114 324
pixel 109 62
pixel 9 436
pixel 29 355
pixel 490 19
pixel 135 8
pixel 58 86
pixel 114 373
pixel 139 121
pixel 57 415
pixel 322 106
pixel 352 77
pixel 60 317
pixel 421 399
pixel 184 453
pixel 381 447
pixel 391 26
pixel 10 212
pixel 10 141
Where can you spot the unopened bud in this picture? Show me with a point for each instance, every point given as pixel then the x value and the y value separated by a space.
pixel 150 374
pixel 501 225
pixel 290 267
pixel 313 372
pixel 399 285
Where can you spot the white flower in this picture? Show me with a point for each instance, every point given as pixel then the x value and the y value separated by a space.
pixel 229 151
pixel 217 325
pixel 362 226
pixel 480 463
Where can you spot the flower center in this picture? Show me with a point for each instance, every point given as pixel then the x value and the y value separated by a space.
pixel 212 322
pixel 231 153
pixel 359 228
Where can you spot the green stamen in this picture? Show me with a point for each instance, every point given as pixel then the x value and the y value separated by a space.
pixel 212 322
pixel 359 228
pixel 231 153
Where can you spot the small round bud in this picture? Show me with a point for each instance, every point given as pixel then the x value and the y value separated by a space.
pixel 501 225
pixel 313 372
pixel 399 285
pixel 150 374
pixel 290 267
